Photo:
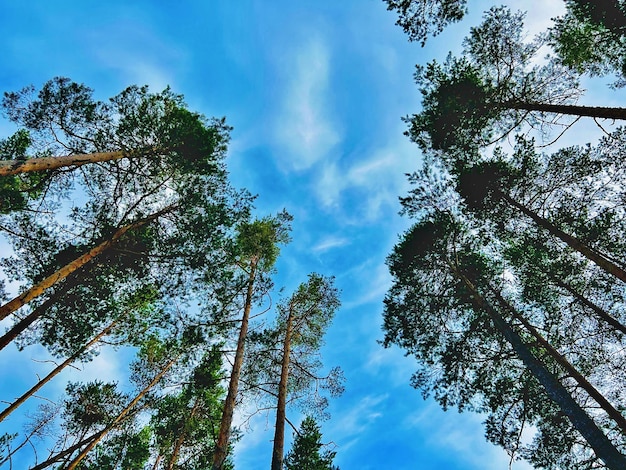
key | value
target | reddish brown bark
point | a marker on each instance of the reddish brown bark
(55, 372)
(98, 436)
(221, 446)
(25, 322)
(279, 429)
(69, 268)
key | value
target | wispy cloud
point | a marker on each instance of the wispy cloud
(138, 55)
(329, 243)
(373, 183)
(459, 434)
(303, 126)
(360, 416)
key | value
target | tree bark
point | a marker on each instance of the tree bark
(564, 363)
(600, 312)
(182, 437)
(25, 322)
(68, 269)
(571, 241)
(572, 110)
(55, 372)
(221, 446)
(14, 167)
(598, 441)
(279, 429)
(99, 435)
(64, 453)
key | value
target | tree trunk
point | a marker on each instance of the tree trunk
(14, 167)
(564, 363)
(571, 241)
(98, 436)
(182, 437)
(25, 322)
(600, 312)
(581, 421)
(64, 453)
(55, 372)
(279, 430)
(68, 269)
(572, 110)
(221, 446)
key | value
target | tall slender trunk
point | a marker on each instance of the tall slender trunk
(38, 289)
(221, 446)
(55, 372)
(182, 436)
(601, 260)
(564, 363)
(600, 312)
(572, 110)
(14, 167)
(64, 453)
(279, 429)
(25, 322)
(555, 390)
(98, 436)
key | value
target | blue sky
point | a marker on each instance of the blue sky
(315, 91)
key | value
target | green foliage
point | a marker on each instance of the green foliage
(423, 18)
(5, 445)
(124, 451)
(313, 307)
(92, 405)
(456, 105)
(494, 89)
(186, 424)
(310, 309)
(257, 241)
(305, 453)
(16, 190)
(493, 289)
(591, 37)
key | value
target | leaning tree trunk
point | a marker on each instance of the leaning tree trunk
(599, 311)
(564, 363)
(99, 435)
(55, 372)
(592, 255)
(25, 322)
(221, 446)
(14, 167)
(38, 289)
(64, 453)
(555, 390)
(571, 110)
(279, 430)
(183, 435)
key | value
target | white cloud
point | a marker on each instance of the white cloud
(377, 180)
(303, 127)
(359, 417)
(329, 243)
(461, 435)
(141, 57)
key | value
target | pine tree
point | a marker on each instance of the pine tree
(305, 453)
